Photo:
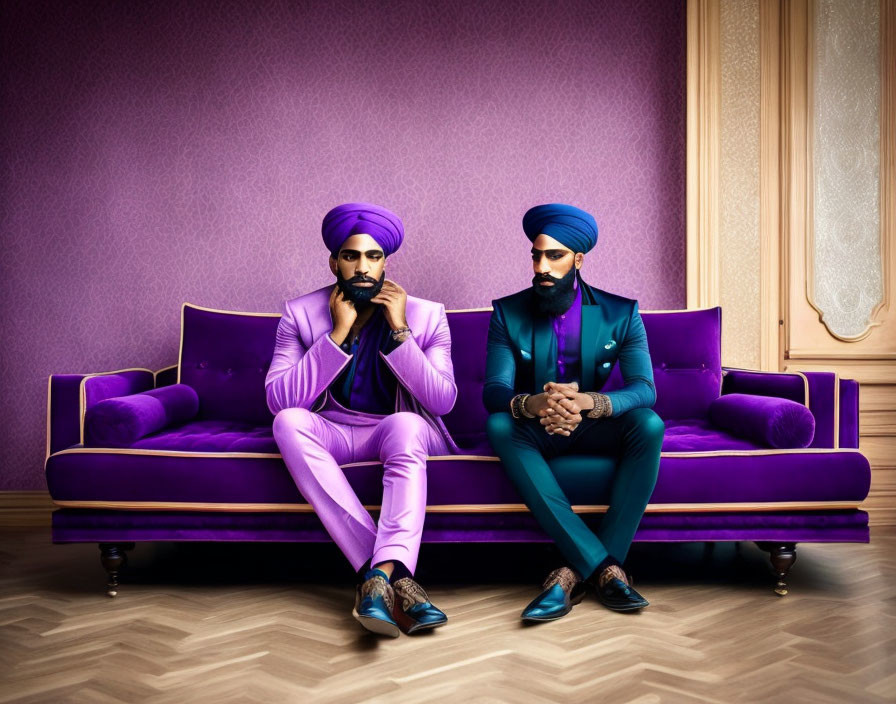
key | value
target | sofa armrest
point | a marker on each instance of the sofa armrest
(69, 396)
(834, 402)
(766, 420)
(849, 413)
(122, 421)
(793, 386)
(825, 403)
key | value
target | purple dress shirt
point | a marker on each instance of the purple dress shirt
(568, 331)
(367, 384)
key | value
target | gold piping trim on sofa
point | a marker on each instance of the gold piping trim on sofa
(458, 508)
(793, 373)
(231, 312)
(836, 409)
(242, 455)
(49, 401)
(678, 310)
(740, 453)
(180, 344)
(485, 309)
(836, 400)
(434, 458)
(164, 453)
(82, 393)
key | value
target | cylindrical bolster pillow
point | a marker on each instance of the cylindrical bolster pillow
(122, 421)
(767, 420)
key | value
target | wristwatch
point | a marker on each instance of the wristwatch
(401, 334)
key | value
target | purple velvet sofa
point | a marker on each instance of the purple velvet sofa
(187, 454)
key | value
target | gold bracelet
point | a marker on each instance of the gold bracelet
(602, 405)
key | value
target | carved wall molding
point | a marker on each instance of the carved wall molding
(703, 144)
(771, 322)
(846, 281)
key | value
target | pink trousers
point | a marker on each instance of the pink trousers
(313, 446)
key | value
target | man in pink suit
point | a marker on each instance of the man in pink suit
(362, 371)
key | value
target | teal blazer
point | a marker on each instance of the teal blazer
(522, 350)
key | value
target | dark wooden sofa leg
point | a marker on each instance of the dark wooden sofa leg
(114, 557)
(782, 557)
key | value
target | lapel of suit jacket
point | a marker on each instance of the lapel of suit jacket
(544, 352)
(594, 329)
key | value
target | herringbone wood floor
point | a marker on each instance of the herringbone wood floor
(271, 623)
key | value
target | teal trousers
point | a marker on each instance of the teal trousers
(622, 451)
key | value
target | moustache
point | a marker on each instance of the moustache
(361, 280)
(544, 277)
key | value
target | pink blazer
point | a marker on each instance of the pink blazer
(306, 360)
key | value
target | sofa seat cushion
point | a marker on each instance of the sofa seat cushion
(212, 436)
(700, 435)
(682, 435)
(177, 480)
(687, 435)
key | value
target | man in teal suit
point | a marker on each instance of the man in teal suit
(551, 349)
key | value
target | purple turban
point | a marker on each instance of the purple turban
(349, 219)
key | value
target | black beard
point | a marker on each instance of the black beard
(359, 295)
(556, 299)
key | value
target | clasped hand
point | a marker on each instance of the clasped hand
(559, 407)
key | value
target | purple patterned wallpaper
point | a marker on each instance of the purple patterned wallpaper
(160, 152)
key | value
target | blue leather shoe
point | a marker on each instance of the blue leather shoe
(563, 589)
(413, 611)
(373, 607)
(616, 595)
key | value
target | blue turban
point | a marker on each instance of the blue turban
(572, 227)
(349, 219)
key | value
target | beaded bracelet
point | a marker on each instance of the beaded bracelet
(518, 407)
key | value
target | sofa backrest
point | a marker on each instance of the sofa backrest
(469, 333)
(225, 357)
(686, 353)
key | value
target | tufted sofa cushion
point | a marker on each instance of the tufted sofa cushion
(686, 352)
(225, 357)
(466, 421)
